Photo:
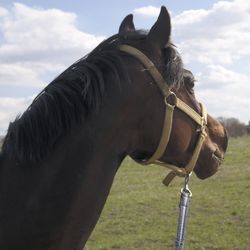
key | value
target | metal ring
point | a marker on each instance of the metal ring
(175, 99)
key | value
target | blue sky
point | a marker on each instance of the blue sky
(39, 39)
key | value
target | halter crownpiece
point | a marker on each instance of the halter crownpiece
(201, 120)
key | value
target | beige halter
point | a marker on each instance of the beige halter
(201, 120)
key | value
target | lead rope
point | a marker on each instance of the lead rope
(183, 213)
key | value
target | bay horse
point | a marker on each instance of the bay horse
(59, 158)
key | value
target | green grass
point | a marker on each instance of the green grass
(141, 213)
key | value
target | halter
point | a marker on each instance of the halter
(201, 120)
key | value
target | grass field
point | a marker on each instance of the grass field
(141, 213)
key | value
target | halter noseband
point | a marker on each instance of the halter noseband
(201, 120)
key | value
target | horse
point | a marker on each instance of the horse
(59, 157)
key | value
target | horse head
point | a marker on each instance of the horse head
(186, 129)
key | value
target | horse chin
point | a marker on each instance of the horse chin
(205, 170)
(201, 174)
(210, 159)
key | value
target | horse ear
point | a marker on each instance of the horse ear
(127, 24)
(159, 34)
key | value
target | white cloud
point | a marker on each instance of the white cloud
(37, 29)
(217, 76)
(3, 12)
(219, 35)
(149, 11)
(219, 104)
(18, 75)
(36, 43)
(33, 37)
(225, 93)
(216, 41)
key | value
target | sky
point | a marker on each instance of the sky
(39, 39)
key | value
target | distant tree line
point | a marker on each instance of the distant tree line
(234, 127)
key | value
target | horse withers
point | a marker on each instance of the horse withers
(59, 158)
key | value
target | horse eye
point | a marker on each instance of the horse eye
(189, 83)
(190, 86)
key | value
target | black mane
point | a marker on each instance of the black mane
(71, 97)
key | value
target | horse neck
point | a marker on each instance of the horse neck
(57, 202)
(101, 160)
